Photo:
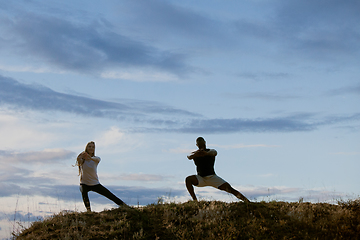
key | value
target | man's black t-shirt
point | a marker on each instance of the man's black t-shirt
(205, 165)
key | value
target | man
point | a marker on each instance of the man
(204, 160)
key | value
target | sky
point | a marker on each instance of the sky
(273, 86)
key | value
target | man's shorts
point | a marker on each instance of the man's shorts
(211, 180)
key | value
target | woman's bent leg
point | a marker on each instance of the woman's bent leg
(84, 189)
(100, 189)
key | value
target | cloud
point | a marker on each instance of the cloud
(9, 189)
(335, 119)
(12, 189)
(267, 175)
(320, 28)
(15, 181)
(22, 172)
(179, 151)
(10, 176)
(139, 75)
(142, 177)
(144, 195)
(286, 193)
(237, 146)
(40, 98)
(20, 132)
(169, 20)
(22, 217)
(135, 194)
(257, 76)
(68, 192)
(137, 177)
(143, 41)
(345, 91)
(47, 156)
(166, 118)
(262, 96)
(111, 137)
(90, 46)
(280, 124)
(258, 191)
(303, 122)
(317, 30)
(346, 153)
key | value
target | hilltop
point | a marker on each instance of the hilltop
(206, 220)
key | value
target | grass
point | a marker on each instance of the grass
(206, 220)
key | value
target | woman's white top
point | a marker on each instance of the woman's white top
(88, 172)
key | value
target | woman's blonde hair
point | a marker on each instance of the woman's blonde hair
(81, 162)
(91, 142)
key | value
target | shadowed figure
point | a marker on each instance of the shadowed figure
(89, 181)
(204, 160)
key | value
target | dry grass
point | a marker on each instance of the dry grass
(206, 220)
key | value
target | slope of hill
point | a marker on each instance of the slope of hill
(206, 220)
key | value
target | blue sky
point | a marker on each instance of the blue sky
(273, 86)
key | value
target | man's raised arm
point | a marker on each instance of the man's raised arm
(202, 153)
(212, 152)
(192, 155)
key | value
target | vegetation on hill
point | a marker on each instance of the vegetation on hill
(206, 220)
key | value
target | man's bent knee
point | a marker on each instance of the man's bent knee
(192, 180)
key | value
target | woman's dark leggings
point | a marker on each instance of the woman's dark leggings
(100, 189)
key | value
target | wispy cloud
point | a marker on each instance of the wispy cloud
(19, 181)
(262, 96)
(258, 191)
(236, 146)
(84, 47)
(179, 151)
(345, 91)
(321, 35)
(311, 29)
(47, 156)
(270, 193)
(165, 118)
(280, 124)
(176, 23)
(330, 120)
(21, 174)
(131, 195)
(267, 175)
(302, 122)
(233, 146)
(96, 46)
(346, 153)
(282, 26)
(38, 97)
(142, 177)
(260, 76)
(291, 193)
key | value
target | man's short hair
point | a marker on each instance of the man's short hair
(200, 140)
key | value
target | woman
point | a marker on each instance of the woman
(89, 181)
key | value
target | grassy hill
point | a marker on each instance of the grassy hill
(206, 220)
